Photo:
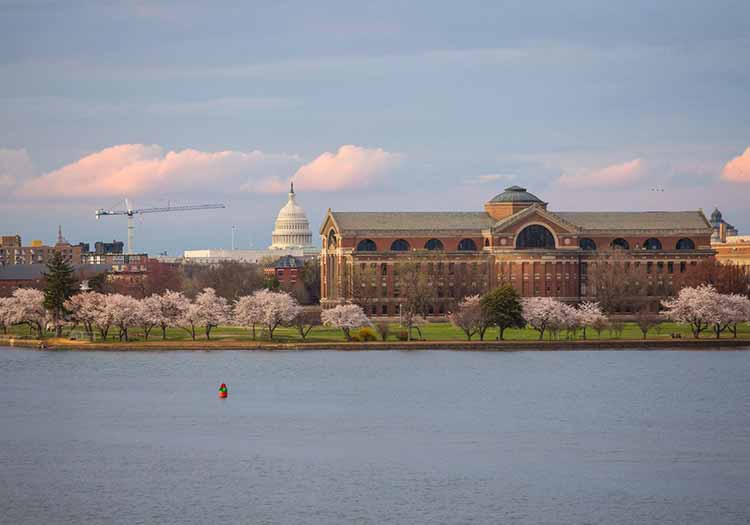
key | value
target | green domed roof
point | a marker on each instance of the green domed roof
(516, 194)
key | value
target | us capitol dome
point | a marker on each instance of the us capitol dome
(292, 229)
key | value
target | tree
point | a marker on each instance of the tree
(230, 279)
(468, 316)
(161, 277)
(384, 329)
(7, 313)
(60, 285)
(83, 308)
(212, 310)
(646, 321)
(542, 313)
(730, 309)
(150, 314)
(502, 307)
(125, 312)
(346, 317)
(248, 311)
(29, 309)
(305, 320)
(694, 306)
(172, 308)
(590, 314)
(311, 280)
(268, 308)
(726, 278)
(417, 293)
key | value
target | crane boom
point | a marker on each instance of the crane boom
(131, 212)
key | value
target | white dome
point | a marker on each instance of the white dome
(292, 230)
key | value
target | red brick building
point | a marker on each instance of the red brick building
(515, 240)
(287, 270)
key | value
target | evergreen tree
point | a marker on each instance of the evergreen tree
(59, 286)
(502, 307)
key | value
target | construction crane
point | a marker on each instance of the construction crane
(131, 212)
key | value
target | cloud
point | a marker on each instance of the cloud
(738, 169)
(131, 170)
(137, 169)
(350, 167)
(491, 178)
(614, 176)
(15, 167)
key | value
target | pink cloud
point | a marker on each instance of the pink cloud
(614, 176)
(350, 167)
(137, 169)
(738, 169)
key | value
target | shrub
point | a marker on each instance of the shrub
(384, 329)
(355, 338)
(367, 334)
(403, 335)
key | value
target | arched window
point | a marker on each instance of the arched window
(331, 240)
(367, 245)
(433, 244)
(467, 245)
(487, 243)
(535, 236)
(620, 244)
(587, 244)
(652, 244)
(400, 245)
(685, 244)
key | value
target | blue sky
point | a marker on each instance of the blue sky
(430, 105)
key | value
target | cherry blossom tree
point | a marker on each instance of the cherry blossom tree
(694, 306)
(345, 317)
(83, 309)
(730, 310)
(104, 314)
(212, 310)
(150, 314)
(546, 313)
(126, 312)
(29, 309)
(468, 316)
(7, 313)
(172, 307)
(590, 315)
(248, 311)
(190, 319)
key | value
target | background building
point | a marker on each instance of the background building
(13, 252)
(291, 236)
(516, 240)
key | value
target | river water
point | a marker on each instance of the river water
(375, 437)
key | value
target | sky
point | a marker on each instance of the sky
(381, 105)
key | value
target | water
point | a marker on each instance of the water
(375, 437)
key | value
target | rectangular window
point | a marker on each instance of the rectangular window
(670, 267)
(383, 269)
(451, 268)
(660, 267)
(683, 267)
(384, 310)
(430, 268)
(649, 267)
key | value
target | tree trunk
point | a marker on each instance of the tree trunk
(208, 332)
(163, 332)
(501, 335)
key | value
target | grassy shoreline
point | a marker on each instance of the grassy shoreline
(497, 346)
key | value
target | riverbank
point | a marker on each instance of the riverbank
(493, 345)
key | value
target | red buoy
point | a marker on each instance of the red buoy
(223, 392)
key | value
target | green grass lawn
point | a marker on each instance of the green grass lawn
(438, 331)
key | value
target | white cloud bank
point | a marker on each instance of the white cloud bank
(738, 169)
(613, 176)
(138, 169)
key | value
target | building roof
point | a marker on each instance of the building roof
(375, 222)
(288, 261)
(32, 272)
(636, 220)
(515, 194)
